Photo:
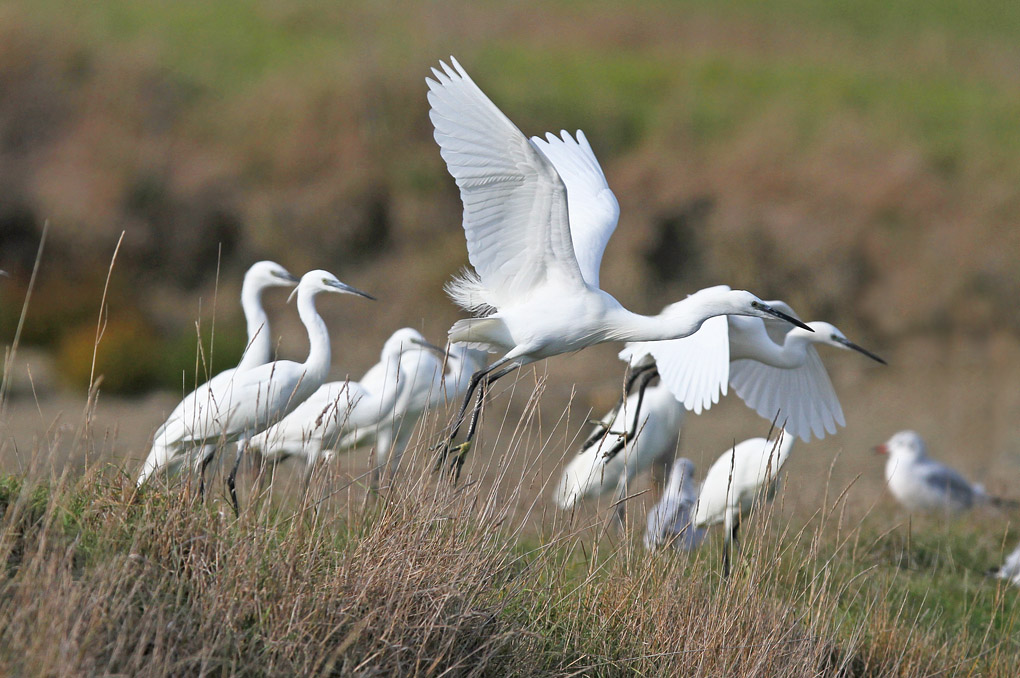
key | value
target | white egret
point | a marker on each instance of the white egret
(738, 479)
(598, 469)
(344, 415)
(772, 366)
(175, 440)
(671, 521)
(537, 217)
(1010, 569)
(920, 483)
(255, 398)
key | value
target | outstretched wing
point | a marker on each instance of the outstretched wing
(591, 204)
(803, 396)
(515, 204)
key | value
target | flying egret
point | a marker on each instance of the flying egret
(920, 483)
(176, 439)
(596, 469)
(255, 398)
(736, 481)
(344, 415)
(671, 520)
(537, 217)
(773, 367)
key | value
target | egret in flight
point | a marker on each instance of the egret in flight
(921, 483)
(256, 398)
(537, 216)
(671, 521)
(772, 366)
(171, 448)
(741, 476)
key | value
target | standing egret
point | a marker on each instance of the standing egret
(920, 483)
(176, 438)
(344, 415)
(773, 367)
(537, 217)
(597, 469)
(1010, 569)
(736, 481)
(671, 521)
(254, 399)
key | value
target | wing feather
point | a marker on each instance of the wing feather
(802, 396)
(515, 204)
(695, 368)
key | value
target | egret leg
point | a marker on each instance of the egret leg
(461, 450)
(241, 446)
(647, 377)
(731, 541)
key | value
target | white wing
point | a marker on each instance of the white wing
(591, 204)
(695, 368)
(803, 396)
(515, 204)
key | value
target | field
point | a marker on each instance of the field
(859, 160)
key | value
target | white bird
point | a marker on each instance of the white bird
(598, 469)
(920, 483)
(345, 415)
(772, 366)
(671, 521)
(256, 398)
(176, 438)
(537, 217)
(738, 479)
(1010, 569)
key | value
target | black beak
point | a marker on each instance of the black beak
(851, 345)
(289, 277)
(347, 289)
(782, 316)
(432, 347)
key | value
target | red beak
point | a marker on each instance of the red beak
(881, 449)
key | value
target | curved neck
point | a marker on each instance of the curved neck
(319, 357)
(754, 343)
(260, 347)
(672, 323)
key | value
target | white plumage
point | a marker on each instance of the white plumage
(671, 520)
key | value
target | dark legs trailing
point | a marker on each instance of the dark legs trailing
(480, 382)
(642, 377)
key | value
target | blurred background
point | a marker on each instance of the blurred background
(860, 160)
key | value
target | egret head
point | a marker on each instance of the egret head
(905, 445)
(324, 281)
(404, 339)
(824, 333)
(264, 274)
(745, 303)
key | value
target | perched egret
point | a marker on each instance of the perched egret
(736, 481)
(597, 470)
(344, 415)
(537, 217)
(772, 366)
(181, 435)
(255, 398)
(920, 483)
(671, 520)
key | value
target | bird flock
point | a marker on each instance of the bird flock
(538, 214)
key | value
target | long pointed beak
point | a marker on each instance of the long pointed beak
(783, 316)
(860, 349)
(347, 289)
(880, 449)
(432, 347)
(288, 276)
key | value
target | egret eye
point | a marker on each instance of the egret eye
(836, 337)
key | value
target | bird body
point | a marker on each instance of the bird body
(590, 474)
(739, 478)
(920, 483)
(773, 367)
(671, 520)
(1010, 569)
(177, 435)
(254, 399)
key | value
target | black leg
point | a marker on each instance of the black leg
(458, 461)
(233, 475)
(646, 378)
